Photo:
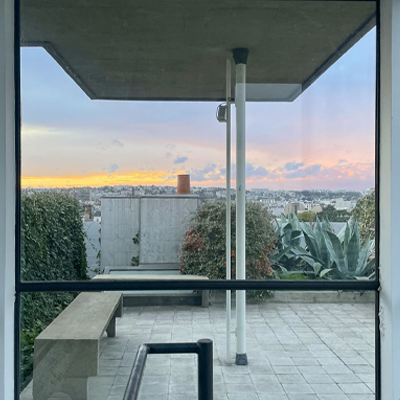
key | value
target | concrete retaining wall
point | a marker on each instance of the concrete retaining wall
(163, 223)
(120, 223)
(160, 221)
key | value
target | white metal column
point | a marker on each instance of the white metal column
(228, 207)
(389, 173)
(7, 199)
(240, 57)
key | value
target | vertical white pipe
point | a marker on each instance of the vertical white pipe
(228, 207)
(240, 103)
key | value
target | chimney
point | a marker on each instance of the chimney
(183, 184)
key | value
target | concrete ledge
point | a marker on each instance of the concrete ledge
(160, 299)
(67, 352)
(184, 299)
(126, 277)
(322, 297)
(306, 297)
(142, 267)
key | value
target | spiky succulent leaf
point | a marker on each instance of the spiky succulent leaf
(325, 271)
(352, 252)
(312, 245)
(336, 252)
(362, 264)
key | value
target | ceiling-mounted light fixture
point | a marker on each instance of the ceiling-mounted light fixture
(222, 113)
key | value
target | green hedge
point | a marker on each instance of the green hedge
(52, 248)
(204, 252)
(364, 212)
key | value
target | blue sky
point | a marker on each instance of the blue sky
(324, 139)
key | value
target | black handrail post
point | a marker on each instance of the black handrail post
(135, 378)
(205, 369)
(204, 350)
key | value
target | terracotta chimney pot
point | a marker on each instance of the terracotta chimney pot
(183, 184)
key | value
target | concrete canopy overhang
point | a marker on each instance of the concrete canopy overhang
(176, 50)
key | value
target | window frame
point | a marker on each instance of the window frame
(212, 284)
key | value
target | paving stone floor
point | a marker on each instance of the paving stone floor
(295, 352)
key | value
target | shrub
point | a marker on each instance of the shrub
(306, 216)
(52, 248)
(364, 212)
(330, 213)
(204, 252)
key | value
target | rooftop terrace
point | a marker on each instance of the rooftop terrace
(295, 351)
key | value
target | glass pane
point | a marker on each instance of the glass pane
(124, 163)
(318, 345)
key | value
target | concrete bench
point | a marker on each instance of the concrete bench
(147, 298)
(67, 351)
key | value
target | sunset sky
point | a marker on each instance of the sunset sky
(323, 140)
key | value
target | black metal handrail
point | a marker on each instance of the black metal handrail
(197, 284)
(203, 348)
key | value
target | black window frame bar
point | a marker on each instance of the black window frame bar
(93, 286)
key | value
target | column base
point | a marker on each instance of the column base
(241, 359)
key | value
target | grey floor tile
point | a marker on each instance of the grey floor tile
(318, 378)
(297, 388)
(313, 351)
(326, 388)
(345, 378)
(297, 396)
(233, 388)
(295, 378)
(189, 390)
(240, 379)
(247, 396)
(272, 396)
(355, 388)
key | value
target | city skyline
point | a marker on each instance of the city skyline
(325, 139)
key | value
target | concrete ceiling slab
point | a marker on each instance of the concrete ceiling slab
(176, 49)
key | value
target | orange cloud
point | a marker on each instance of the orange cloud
(128, 178)
(350, 175)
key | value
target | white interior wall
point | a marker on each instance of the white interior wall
(7, 199)
(390, 199)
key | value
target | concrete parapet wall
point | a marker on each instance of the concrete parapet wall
(119, 225)
(163, 224)
(307, 297)
(160, 221)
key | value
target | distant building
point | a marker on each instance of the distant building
(87, 212)
(84, 195)
(276, 210)
(341, 204)
(294, 208)
(97, 216)
(316, 209)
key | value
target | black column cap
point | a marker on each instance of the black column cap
(240, 55)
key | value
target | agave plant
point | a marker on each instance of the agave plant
(318, 256)
(288, 237)
(289, 231)
(351, 259)
(340, 255)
